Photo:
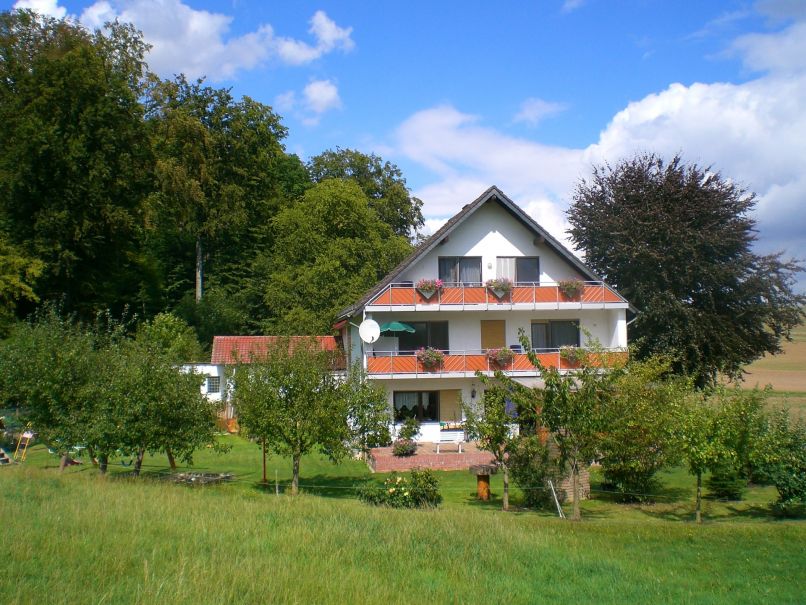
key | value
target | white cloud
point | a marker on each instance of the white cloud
(321, 96)
(753, 133)
(197, 42)
(43, 7)
(572, 5)
(533, 111)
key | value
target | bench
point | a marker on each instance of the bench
(451, 438)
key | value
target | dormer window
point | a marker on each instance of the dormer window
(519, 269)
(460, 270)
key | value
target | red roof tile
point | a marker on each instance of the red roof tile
(230, 349)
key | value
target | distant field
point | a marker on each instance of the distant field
(785, 372)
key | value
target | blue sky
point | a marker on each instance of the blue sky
(524, 95)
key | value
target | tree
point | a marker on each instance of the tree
(493, 424)
(780, 458)
(75, 162)
(216, 165)
(18, 274)
(638, 426)
(169, 335)
(381, 182)
(328, 250)
(291, 400)
(676, 240)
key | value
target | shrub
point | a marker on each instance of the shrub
(404, 447)
(419, 490)
(726, 482)
(532, 467)
(780, 458)
(409, 429)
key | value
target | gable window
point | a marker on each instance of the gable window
(551, 335)
(460, 269)
(422, 405)
(519, 269)
(213, 384)
(426, 334)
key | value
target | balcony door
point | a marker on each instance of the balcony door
(426, 334)
(493, 333)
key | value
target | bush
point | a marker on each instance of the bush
(409, 430)
(404, 447)
(726, 482)
(780, 458)
(419, 490)
(532, 467)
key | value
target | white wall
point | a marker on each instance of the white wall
(491, 232)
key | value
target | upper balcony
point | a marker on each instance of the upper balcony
(458, 297)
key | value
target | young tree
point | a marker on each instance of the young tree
(676, 241)
(291, 399)
(638, 425)
(381, 182)
(169, 335)
(780, 458)
(493, 424)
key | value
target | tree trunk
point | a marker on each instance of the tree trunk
(199, 269)
(103, 462)
(171, 460)
(263, 444)
(506, 487)
(295, 475)
(63, 462)
(577, 514)
(91, 454)
(698, 509)
(138, 463)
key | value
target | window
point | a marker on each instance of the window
(422, 405)
(520, 269)
(555, 334)
(460, 269)
(426, 334)
(213, 384)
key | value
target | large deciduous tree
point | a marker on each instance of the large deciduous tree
(382, 183)
(74, 160)
(329, 248)
(676, 240)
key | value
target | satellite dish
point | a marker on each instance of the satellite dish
(369, 331)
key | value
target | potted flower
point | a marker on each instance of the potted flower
(428, 287)
(573, 355)
(500, 286)
(572, 289)
(501, 357)
(430, 358)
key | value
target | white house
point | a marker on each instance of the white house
(490, 238)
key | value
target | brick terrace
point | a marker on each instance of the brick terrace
(382, 460)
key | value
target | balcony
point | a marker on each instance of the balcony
(459, 364)
(405, 297)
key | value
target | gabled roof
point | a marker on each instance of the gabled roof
(495, 195)
(229, 350)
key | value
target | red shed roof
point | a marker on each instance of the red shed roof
(230, 349)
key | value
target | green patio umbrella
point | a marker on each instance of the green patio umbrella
(397, 326)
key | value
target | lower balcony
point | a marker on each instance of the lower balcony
(457, 364)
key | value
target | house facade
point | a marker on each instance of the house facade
(543, 291)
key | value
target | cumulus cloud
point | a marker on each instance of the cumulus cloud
(753, 133)
(198, 42)
(43, 7)
(533, 111)
(317, 98)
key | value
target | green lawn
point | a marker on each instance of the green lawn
(79, 538)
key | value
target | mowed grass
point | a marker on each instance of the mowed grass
(79, 538)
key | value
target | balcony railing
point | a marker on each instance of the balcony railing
(469, 362)
(475, 295)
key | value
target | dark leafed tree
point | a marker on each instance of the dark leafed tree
(382, 183)
(74, 159)
(676, 240)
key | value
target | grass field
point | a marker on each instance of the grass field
(80, 538)
(786, 372)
